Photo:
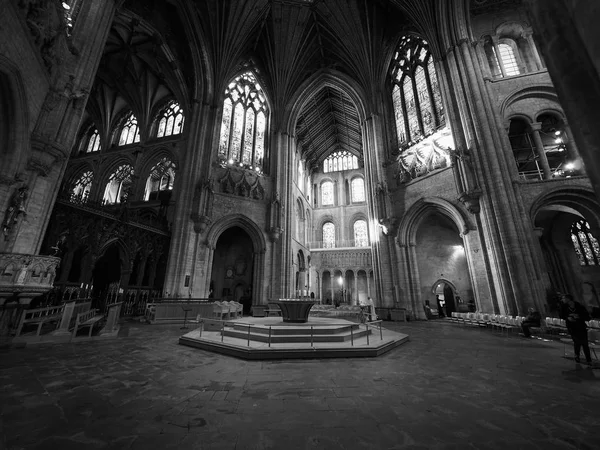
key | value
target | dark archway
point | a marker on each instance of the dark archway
(233, 267)
(107, 271)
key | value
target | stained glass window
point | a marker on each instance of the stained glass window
(130, 132)
(244, 123)
(416, 95)
(81, 187)
(341, 160)
(509, 62)
(328, 235)
(171, 121)
(94, 142)
(327, 193)
(119, 185)
(358, 190)
(586, 246)
(361, 236)
(161, 178)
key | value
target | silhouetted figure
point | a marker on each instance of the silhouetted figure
(575, 315)
(533, 319)
(439, 306)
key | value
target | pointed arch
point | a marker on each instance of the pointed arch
(580, 198)
(407, 231)
(237, 220)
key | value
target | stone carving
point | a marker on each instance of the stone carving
(432, 153)
(26, 273)
(243, 187)
(346, 258)
(15, 209)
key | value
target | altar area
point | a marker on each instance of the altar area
(272, 338)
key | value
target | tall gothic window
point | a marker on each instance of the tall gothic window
(361, 235)
(301, 176)
(161, 178)
(130, 131)
(586, 246)
(328, 235)
(508, 59)
(327, 193)
(244, 123)
(81, 187)
(93, 144)
(338, 161)
(171, 121)
(358, 190)
(416, 96)
(119, 185)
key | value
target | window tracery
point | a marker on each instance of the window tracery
(361, 235)
(340, 160)
(328, 235)
(586, 246)
(119, 184)
(130, 132)
(508, 60)
(81, 187)
(171, 121)
(161, 178)
(244, 123)
(93, 142)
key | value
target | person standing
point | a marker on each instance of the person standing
(575, 315)
(439, 306)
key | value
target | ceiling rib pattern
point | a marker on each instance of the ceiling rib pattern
(328, 122)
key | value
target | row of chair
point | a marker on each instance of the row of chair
(227, 310)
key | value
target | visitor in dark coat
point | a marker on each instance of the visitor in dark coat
(533, 319)
(575, 315)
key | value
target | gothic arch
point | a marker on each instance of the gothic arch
(321, 79)
(153, 157)
(580, 198)
(237, 220)
(14, 130)
(413, 218)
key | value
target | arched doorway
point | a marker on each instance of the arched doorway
(448, 297)
(233, 267)
(107, 271)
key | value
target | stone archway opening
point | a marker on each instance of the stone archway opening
(107, 271)
(233, 267)
(442, 263)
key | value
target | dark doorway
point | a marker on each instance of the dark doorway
(106, 271)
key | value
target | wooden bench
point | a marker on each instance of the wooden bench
(86, 319)
(40, 316)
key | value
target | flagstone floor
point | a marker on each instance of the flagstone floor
(449, 388)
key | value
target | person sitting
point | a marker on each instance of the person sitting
(533, 319)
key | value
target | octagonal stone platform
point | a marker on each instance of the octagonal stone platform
(270, 338)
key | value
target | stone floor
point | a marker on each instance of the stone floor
(450, 387)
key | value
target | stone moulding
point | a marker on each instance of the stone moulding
(24, 274)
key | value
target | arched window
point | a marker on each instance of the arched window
(81, 187)
(130, 132)
(244, 123)
(93, 142)
(328, 235)
(339, 161)
(301, 175)
(586, 246)
(508, 60)
(361, 235)
(171, 121)
(327, 193)
(358, 190)
(161, 178)
(118, 186)
(416, 95)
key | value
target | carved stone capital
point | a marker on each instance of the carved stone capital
(471, 201)
(275, 233)
(44, 155)
(201, 223)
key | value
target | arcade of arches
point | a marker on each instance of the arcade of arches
(208, 149)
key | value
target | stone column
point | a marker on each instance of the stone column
(528, 36)
(540, 150)
(572, 149)
(573, 74)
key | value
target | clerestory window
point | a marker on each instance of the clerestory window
(81, 187)
(338, 161)
(119, 184)
(328, 235)
(130, 132)
(171, 121)
(161, 178)
(93, 144)
(244, 124)
(327, 193)
(358, 190)
(361, 235)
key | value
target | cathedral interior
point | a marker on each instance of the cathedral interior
(434, 157)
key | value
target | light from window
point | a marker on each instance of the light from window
(301, 176)
(171, 121)
(416, 96)
(119, 186)
(244, 123)
(358, 190)
(338, 161)
(327, 193)
(94, 142)
(328, 235)
(361, 236)
(161, 178)
(507, 56)
(81, 187)
(586, 246)
(130, 132)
